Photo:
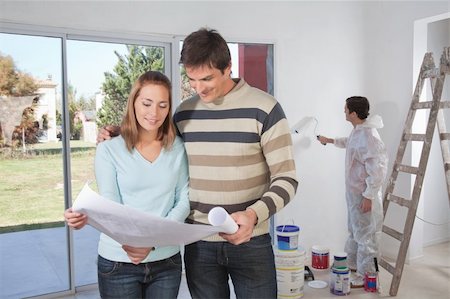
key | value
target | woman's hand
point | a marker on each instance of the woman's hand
(75, 220)
(137, 254)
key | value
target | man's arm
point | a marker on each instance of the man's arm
(276, 143)
(276, 146)
(374, 157)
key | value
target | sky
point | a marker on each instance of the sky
(86, 61)
(41, 57)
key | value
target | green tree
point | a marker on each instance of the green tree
(76, 104)
(117, 85)
(86, 104)
(13, 82)
(58, 118)
(28, 129)
(186, 90)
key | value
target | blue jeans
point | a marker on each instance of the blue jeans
(160, 279)
(251, 267)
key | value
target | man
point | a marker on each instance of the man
(240, 156)
(365, 171)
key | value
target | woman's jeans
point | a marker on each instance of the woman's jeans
(160, 279)
(251, 267)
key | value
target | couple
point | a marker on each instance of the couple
(239, 148)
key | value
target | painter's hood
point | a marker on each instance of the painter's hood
(374, 121)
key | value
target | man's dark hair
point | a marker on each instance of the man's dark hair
(205, 47)
(360, 105)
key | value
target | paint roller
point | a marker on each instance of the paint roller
(304, 123)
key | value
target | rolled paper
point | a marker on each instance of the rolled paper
(218, 216)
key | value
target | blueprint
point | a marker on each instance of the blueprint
(129, 226)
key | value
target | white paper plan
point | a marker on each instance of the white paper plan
(129, 226)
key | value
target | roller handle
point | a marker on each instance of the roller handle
(318, 139)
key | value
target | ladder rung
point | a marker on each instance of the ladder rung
(422, 105)
(407, 169)
(427, 105)
(444, 136)
(414, 137)
(444, 104)
(399, 200)
(393, 233)
(387, 266)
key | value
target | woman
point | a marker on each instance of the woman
(146, 168)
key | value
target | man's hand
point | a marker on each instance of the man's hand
(246, 221)
(107, 132)
(75, 220)
(324, 140)
(366, 205)
(137, 254)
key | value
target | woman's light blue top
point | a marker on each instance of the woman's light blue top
(159, 187)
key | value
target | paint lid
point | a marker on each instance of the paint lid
(340, 256)
(320, 249)
(317, 284)
(288, 228)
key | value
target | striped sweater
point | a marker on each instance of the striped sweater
(240, 155)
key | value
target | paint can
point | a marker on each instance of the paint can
(340, 281)
(287, 237)
(320, 257)
(370, 281)
(340, 260)
(290, 269)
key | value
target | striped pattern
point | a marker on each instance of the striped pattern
(240, 155)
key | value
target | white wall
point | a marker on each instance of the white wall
(324, 52)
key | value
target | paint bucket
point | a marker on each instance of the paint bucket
(370, 281)
(320, 257)
(290, 268)
(340, 281)
(287, 237)
(340, 260)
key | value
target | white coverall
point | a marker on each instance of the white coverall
(365, 171)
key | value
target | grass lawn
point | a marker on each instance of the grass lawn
(32, 188)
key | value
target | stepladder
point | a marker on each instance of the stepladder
(434, 110)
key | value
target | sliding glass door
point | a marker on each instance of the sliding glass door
(48, 127)
(33, 241)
